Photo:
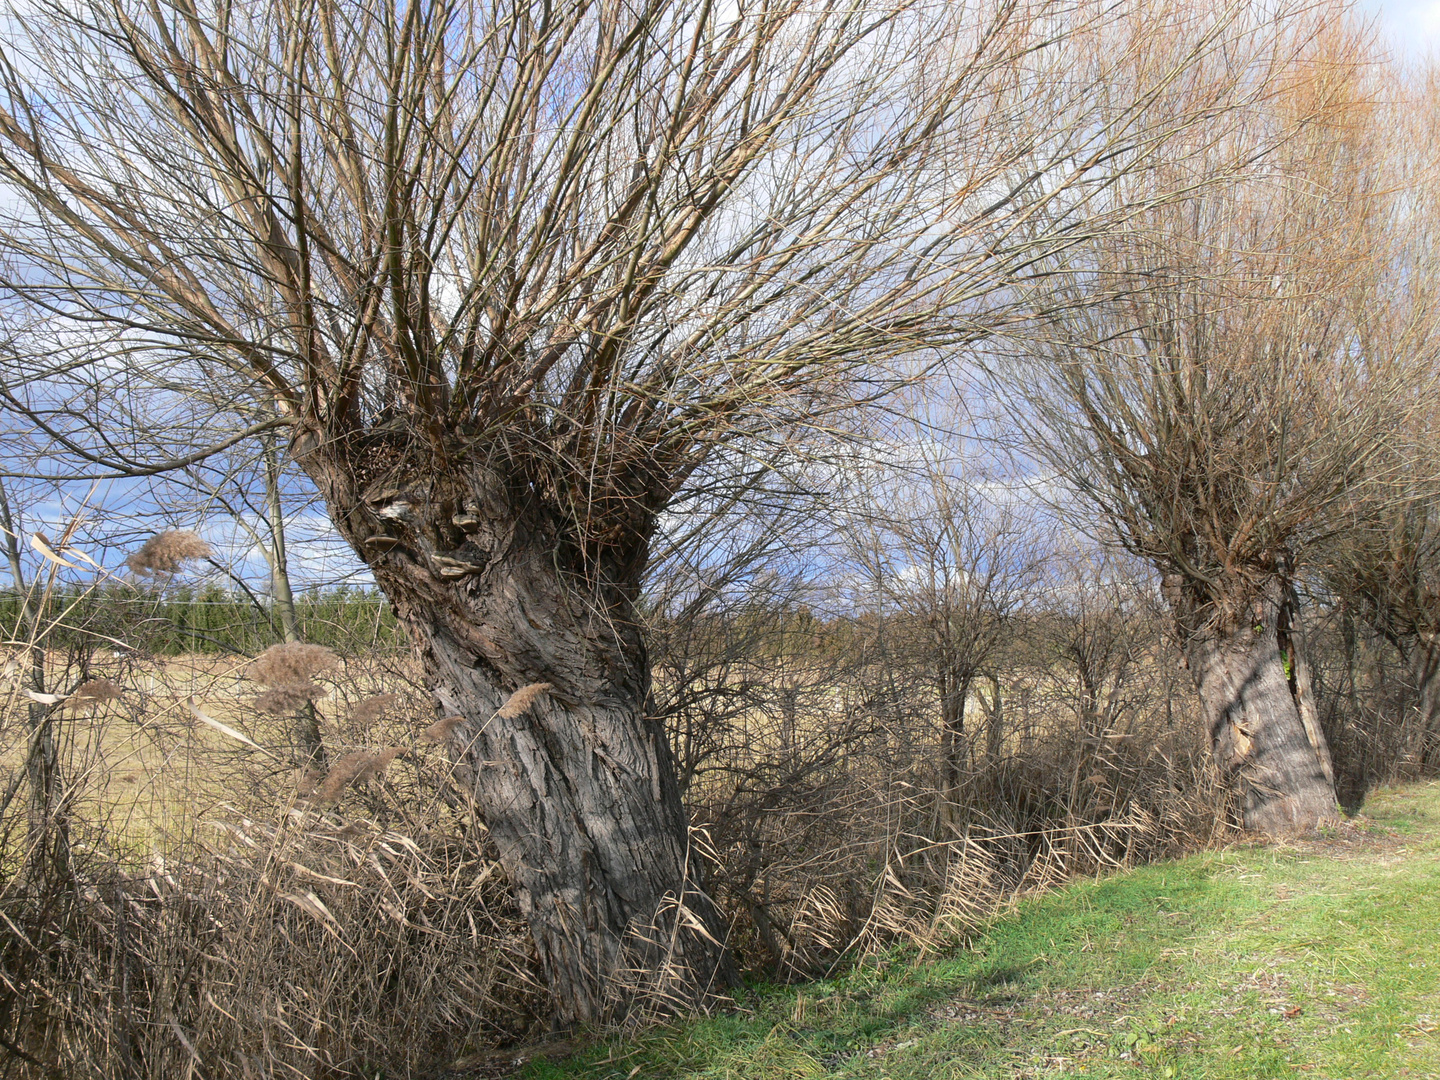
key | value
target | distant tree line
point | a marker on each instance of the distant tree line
(205, 619)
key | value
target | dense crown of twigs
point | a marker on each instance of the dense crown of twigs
(1233, 387)
(583, 245)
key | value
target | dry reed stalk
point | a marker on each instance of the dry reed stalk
(167, 552)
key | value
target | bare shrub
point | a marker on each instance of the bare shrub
(272, 945)
(834, 828)
(167, 552)
(372, 931)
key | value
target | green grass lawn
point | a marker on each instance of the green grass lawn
(1319, 959)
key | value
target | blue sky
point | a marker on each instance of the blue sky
(1410, 27)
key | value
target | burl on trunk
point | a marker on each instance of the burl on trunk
(1255, 695)
(578, 790)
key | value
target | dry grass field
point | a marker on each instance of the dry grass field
(189, 899)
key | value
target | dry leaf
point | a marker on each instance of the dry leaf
(226, 729)
(311, 904)
(37, 541)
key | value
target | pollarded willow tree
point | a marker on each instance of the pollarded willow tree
(1225, 398)
(510, 272)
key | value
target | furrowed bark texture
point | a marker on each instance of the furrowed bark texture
(1424, 664)
(578, 790)
(1252, 701)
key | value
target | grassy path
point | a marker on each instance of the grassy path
(1320, 959)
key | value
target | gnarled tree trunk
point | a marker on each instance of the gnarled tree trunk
(1252, 703)
(578, 790)
(1423, 661)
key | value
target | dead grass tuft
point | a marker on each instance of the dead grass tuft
(167, 552)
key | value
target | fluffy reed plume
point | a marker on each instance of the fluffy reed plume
(439, 731)
(286, 699)
(167, 552)
(373, 708)
(374, 769)
(94, 692)
(513, 706)
(521, 700)
(307, 780)
(341, 773)
(293, 664)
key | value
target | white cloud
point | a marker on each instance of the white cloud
(1410, 27)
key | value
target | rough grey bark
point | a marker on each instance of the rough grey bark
(1252, 711)
(1291, 637)
(578, 791)
(954, 747)
(1423, 660)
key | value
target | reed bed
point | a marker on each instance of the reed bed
(187, 892)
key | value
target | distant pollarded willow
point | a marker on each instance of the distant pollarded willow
(1243, 383)
(510, 273)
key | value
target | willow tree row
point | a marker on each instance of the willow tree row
(511, 274)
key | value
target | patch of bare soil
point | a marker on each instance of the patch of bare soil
(1353, 838)
(504, 1062)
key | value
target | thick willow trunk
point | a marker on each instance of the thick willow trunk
(954, 746)
(578, 789)
(1253, 705)
(1424, 663)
